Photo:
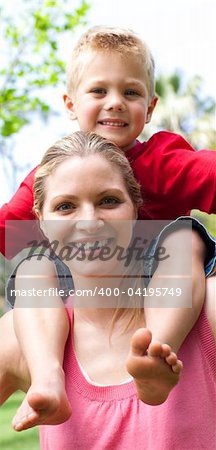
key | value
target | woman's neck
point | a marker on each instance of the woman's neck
(97, 317)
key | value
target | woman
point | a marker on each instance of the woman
(97, 192)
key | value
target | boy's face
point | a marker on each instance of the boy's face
(112, 98)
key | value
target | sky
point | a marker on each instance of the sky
(181, 35)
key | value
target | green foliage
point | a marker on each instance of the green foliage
(184, 108)
(209, 221)
(9, 439)
(31, 59)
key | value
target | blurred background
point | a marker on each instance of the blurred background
(36, 38)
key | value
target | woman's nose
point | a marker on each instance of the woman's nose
(89, 220)
(89, 226)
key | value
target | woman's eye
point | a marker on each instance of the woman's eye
(110, 201)
(64, 207)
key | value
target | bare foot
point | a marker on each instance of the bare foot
(154, 367)
(44, 404)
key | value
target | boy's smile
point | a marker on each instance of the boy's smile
(112, 98)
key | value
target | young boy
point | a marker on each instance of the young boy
(111, 92)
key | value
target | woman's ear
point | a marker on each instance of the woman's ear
(42, 223)
(69, 105)
(135, 217)
(135, 214)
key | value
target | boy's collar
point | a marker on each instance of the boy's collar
(133, 152)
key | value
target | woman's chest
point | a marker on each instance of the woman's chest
(101, 355)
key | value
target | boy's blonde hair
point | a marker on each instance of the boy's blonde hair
(109, 39)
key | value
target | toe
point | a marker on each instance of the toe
(177, 368)
(140, 342)
(155, 349)
(171, 359)
(166, 350)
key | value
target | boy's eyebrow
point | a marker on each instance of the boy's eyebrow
(135, 82)
(127, 81)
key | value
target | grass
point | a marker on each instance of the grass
(10, 439)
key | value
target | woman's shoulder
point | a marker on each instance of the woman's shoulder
(210, 303)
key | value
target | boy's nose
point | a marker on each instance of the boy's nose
(115, 103)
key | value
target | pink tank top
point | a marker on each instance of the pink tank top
(112, 418)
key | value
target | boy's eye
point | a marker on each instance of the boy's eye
(99, 91)
(131, 92)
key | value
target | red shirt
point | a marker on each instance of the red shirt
(174, 179)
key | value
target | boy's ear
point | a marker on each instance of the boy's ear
(69, 107)
(151, 108)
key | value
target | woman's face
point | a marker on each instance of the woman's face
(88, 210)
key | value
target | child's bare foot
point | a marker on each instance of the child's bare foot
(43, 404)
(154, 367)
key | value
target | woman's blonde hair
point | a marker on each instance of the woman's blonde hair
(83, 145)
(123, 41)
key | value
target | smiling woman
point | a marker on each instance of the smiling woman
(87, 199)
(92, 218)
(89, 217)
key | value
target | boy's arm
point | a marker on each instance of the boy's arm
(15, 230)
(175, 178)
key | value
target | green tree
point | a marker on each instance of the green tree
(31, 62)
(184, 108)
